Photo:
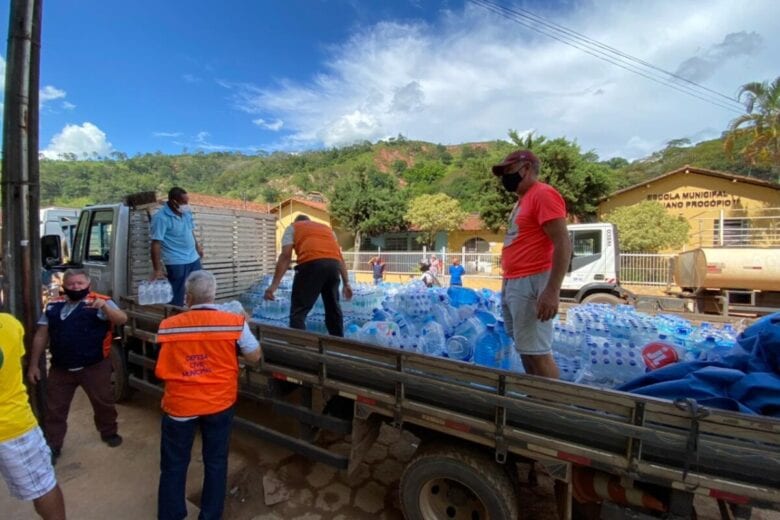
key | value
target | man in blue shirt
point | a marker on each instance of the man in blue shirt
(174, 243)
(456, 273)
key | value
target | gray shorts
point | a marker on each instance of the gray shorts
(518, 304)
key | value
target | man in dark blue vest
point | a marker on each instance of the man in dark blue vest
(78, 329)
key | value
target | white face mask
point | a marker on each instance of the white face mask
(185, 208)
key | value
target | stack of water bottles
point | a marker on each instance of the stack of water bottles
(276, 311)
(158, 291)
(609, 346)
(599, 345)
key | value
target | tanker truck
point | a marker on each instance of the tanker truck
(730, 279)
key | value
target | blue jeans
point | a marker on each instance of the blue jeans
(175, 448)
(177, 275)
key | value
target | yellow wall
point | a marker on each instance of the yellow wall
(289, 211)
(456, 240)
(699, 199)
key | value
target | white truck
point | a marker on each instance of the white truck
(594, 272)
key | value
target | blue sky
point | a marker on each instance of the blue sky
(146, 76)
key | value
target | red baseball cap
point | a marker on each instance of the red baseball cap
(514, 158)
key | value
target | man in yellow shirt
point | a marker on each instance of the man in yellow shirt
(25, 458)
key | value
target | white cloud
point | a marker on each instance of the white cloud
(275, 125)
(190, 78)
(50, 93)
(201, 141)
(83, 141)
(474, 75)
(166, 134)
(67, 105)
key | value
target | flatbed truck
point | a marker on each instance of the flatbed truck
(628, 456)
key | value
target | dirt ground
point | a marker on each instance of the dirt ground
(121, 483)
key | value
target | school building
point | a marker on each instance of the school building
(722, 209)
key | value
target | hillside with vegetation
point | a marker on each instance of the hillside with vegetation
(370, 186)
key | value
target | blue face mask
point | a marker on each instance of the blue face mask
(185, 208)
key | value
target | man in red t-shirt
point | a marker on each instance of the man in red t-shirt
(535, 258)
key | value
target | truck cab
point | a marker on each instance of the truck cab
(100, 247)
(594, 271)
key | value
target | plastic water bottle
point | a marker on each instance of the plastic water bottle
(143, 293)
(471, 329)
(459, 348)
(462, 296)
(432, 338)
(167, 292)
(703, 348)
(383, 333)
(625, 369)
(156, 292)
(488, 351)
(352, 330)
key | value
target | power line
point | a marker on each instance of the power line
(611, 55)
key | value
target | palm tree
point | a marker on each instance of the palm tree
(760, 127)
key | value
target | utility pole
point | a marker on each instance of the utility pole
(21, 178)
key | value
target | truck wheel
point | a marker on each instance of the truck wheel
(453, 481)
(119, 376)
(607, 298)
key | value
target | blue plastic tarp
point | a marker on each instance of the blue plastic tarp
(747, 381)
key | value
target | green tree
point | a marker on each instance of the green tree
(434, 213)
(761, 123)
(423, 177)
(647, 227)
(579, 178)
(367, 202)
(577, 175)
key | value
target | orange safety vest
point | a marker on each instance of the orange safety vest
(199, 362)
(314, 241)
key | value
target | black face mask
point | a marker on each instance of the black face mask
(76, 296)
(511, 182)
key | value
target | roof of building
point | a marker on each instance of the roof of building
(312, 204)
(701, 171)
(213, 201)
(472, 223)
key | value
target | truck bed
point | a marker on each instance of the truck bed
(710, 452)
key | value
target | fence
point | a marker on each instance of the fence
(635, 268)
(408, 262)
(645, 269)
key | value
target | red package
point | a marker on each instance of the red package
(658, 354)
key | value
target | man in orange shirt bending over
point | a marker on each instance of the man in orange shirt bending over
(320, 265)
(199, 365)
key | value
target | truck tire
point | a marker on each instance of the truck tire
(456, 481)
(607, 298)
(119, 376)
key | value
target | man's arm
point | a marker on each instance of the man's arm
(282, 264)
(40, 340)
(347, 289)
(198, 247)
(156, 262)
(116, 315)
(252, 357)
(547, 305)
